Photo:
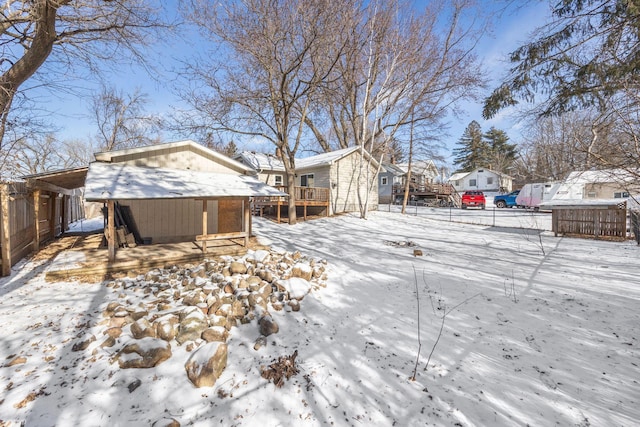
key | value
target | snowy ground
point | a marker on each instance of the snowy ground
(538, 330)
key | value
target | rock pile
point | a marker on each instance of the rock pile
(198, 305)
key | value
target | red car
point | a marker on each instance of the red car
(473, 198)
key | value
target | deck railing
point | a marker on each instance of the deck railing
(309, 194)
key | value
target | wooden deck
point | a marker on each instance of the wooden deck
(314, 197)
(84, 258)
(431, 194)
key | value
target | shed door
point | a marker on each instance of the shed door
(229, 215)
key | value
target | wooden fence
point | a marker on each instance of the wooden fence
(29, 217)
(608, 222)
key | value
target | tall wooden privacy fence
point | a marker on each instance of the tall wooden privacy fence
(29, 217)
(601, 222)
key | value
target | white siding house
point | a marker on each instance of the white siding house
(346, 173)
(481, 179)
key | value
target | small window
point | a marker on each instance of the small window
(489, 180)
(591, 195)
(384, 180)
(278, 179)
(620, 195)
(472, 183)
(306, 180)
(456, 182)
(480, 170)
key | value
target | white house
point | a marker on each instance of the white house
(599, 184)
(482, 179)
(345, 176)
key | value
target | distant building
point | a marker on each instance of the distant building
(482, 179)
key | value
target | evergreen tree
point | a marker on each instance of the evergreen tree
(472, 150)
(500, 155)
(587, 54)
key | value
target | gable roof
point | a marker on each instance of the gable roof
(113, 181)
(114, 156)
(621, 176)
(268, 162)
(460, 175)
(393, 169)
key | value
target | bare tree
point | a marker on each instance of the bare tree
(64, 33)
(400, 70)
(121, 120)
(274, 55)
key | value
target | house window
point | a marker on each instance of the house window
(456, 182)
(591, 195)
(384, 181)
(278, 179)
(472, 183)
(489, 180)
(620, 195)
(306, 180)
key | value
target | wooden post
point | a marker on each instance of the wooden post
(204, 224)
(111, 230)
(5, 232)
(247, 222)
(36, 220)
(278, 206)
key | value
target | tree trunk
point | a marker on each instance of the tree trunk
(33, 58)
(291, 189)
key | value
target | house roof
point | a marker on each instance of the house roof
(394, 169)
(419, 167)
(261, 161)
(602, 176)
(460, 175)
(268, 162)
(112, 156)
(112, 181)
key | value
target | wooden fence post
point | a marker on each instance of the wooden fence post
(36, 220)
(5, 232)
(111, 230)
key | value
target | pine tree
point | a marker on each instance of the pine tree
(500, 155)
(472, 150)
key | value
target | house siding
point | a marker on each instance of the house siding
(183, 157)
(172, 220)
(345, 173)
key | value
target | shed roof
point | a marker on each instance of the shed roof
(68, 179)
(113, 181)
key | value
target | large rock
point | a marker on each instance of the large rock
(191, 326)
(206, 364)
(144, 353)
(302, 270)
(167, 327)
(142, 328)
(215, 333)
(296, 287)
(237, 268)
(268, 326)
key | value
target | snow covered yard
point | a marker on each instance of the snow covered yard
(538, 330)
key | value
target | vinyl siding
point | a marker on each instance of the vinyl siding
(176, 158)
(172, 220)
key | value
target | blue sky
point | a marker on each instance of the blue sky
(510, 29)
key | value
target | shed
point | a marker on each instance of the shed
(599, 219)
(176, 192)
